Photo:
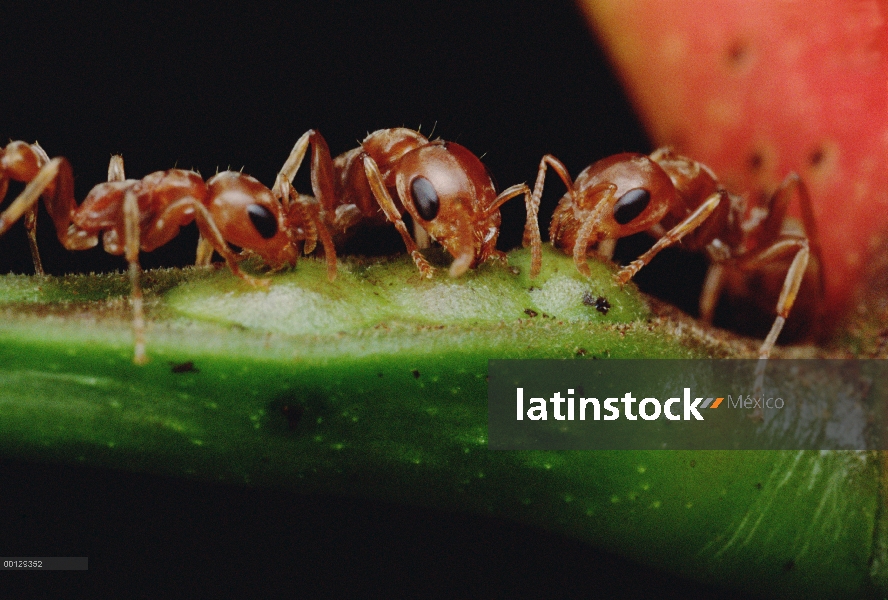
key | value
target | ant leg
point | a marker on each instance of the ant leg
(712, 287)
(329, 247)
(27, 200)
(309, 229)
(606, 248)
(204, 254)
(283, 183)
(322, 178)
(24, 162)
(794, 276)
(791, 284)
(691, 222)
(311, 210)
(322, 173)
(532, 236)
(547, 161)
(391, 212)
(131, 231)
(209, 231)
(31, 216)
(770, 228)
(532, 226)
(588, 230)
(39, 151)
(31, 229)
(55, 183)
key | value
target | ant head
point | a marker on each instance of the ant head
(448, 191)
(624, 194)
(249, 216)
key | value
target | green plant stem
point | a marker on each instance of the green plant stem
(374, 386)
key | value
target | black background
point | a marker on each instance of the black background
(206, 88)
(210, 86)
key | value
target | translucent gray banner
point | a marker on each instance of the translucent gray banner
(687, 405)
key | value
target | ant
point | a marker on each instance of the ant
(133, 215)
(20, 161)
(445, 189)
(680, 199)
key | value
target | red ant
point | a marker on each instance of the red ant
(680, 199)
(443, 186)
(135, 215)
(20, 161)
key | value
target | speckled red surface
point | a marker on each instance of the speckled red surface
(758, 89)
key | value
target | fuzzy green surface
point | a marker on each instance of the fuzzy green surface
(383, 378)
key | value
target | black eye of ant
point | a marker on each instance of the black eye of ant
(263, 220)
(630, 205)
(425, 198)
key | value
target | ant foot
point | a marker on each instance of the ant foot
(425, 269)
(260, 282)
(628, 272)
(139, 357)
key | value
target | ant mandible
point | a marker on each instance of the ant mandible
(681, 199)
(134, 215)
(445, 188)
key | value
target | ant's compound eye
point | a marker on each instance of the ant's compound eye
(263, 220)
(425, 198)
(630, 205)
